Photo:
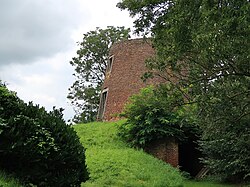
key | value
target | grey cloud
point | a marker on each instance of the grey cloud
(30, 29)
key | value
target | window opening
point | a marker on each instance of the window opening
(102, 104)
(110, 63)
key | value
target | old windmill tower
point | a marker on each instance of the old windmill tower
(126, 65)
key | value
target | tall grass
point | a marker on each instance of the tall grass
(112, 163)
(207, 184)
(7, 181)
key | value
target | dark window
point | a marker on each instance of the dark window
(102, 104)
(110, 63)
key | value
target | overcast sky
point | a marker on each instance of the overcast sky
(38, 39)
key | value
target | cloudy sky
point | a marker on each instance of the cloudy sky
(38, 39)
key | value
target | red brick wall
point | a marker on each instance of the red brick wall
(165, 149)
(125, 77)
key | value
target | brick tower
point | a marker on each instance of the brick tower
(126, 65)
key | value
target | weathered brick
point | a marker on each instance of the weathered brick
(165, 149)
(124, 79)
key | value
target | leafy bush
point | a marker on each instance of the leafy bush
(156, 113)
(38, 146)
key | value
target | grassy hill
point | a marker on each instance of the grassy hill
(112, 163)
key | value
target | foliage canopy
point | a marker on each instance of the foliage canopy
(206, 44)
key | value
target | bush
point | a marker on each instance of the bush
(157, 113)
(38, 146)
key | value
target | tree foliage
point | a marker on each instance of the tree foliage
(90, 65)
(157, 113)
(206, 44)
(38, 146)
(225, 120)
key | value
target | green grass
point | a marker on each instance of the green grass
(209, 184)
(112, 163)
(6, 181)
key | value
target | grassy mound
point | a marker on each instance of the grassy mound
(112, 163)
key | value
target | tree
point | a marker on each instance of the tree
(206, 45)
(90, 66)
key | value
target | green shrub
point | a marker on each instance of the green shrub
(156, 113)
(38, 146)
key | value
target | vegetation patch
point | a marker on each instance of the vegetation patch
(112, 163)
(7, 181)
(205, 184)
(155, 113)
(205, 45)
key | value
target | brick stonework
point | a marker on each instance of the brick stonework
(164, 149)
(124, 79)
